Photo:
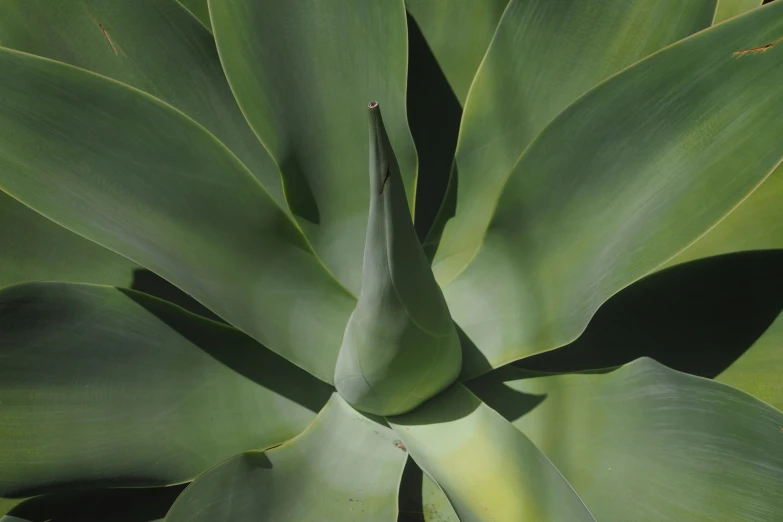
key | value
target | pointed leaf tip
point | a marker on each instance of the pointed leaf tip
(400, 346)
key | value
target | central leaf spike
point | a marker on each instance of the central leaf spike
(400, 346)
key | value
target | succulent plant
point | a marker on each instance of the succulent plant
(210, 311)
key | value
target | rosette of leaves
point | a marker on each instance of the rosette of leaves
(211, 311)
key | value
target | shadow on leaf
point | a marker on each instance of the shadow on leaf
(698, 317)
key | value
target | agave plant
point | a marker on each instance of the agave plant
(210, 311)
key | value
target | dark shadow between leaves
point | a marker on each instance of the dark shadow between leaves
(105, 505)
(453, 403)
(410, 502)
(298, 192)
(434, 115)
(472, 359)
(242, 354)
(698, 317)
(151, 283)
(508, 402)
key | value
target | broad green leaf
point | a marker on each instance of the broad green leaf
(729, 8)
(487, 468)
(649, 444)
(344, 467)
(134, 175)
(35, 248)
(544, 55)
(620, 182)
(115, 388)
(303, 73)
(400, 346)
(199, 9)
(153, 45)
(458, 32)
(107, 505)
(758, 371)
(421, 499)
(756, 224)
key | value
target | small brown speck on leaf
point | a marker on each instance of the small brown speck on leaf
(399, 444)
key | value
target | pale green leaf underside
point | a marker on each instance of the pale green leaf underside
(109, 387)
(458, 33)
(36, 249)
(153, 45)
(487, 469)
(759, 370)
(729, 8)
(621, 181)
(649, 444)
(140, 178)
(303, 73)
(344, 467)
(544, 55)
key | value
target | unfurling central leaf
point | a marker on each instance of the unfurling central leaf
(400, 346)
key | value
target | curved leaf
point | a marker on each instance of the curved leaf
(110, 387)
(400, 346)
(729, 8)
(138, 177)
(153, 45)
(648, 443)
(488, 469)
(758, 371)
(544, 55)
(756, 224)
(29, 241)
(653, 158)
(345, 466)
(303, 73)
(458, 34)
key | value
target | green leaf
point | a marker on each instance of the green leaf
(488, 469)
(756, 224)
(458, 34)
(107, 505)
(199, 9)
(303, 73)
(153, 45)
(620, 182)
(29, 240)
(544, 55)
(400, 346)
(345, 466)
(729, 8)
(115, 388)
(648, 443)
(134, 175)
(758, 371)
